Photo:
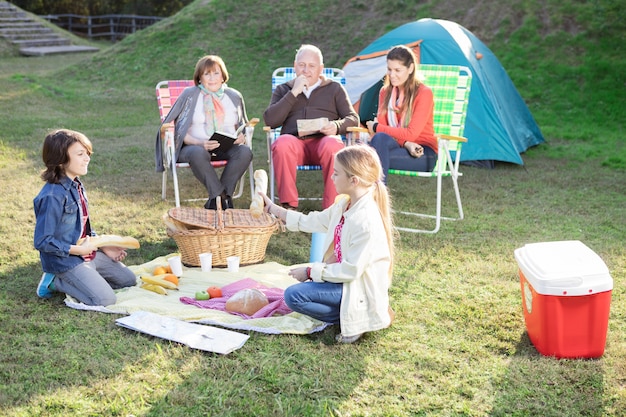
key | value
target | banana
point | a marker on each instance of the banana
(154, 288)
(158, 280)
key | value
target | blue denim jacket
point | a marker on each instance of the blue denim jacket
(58, 213)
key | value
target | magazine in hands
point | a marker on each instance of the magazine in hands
(226, 140)
(308, 127)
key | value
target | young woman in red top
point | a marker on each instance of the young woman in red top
(402, 132)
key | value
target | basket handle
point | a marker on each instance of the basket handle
(220, 213)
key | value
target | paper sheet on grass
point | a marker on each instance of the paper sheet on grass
(196, 336)
(271, 274)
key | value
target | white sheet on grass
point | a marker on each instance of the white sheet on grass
(196, 336)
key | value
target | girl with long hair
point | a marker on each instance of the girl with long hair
(350, 287)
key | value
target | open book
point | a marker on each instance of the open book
(226, 140)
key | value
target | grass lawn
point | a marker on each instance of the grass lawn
(459, 345)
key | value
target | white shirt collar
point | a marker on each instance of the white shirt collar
(307, 91)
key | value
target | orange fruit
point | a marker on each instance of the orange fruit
(159, 270)
(168, 269)
(214, 292)
(171, 278)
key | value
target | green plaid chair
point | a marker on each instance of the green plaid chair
(281, 76)
(451, 89)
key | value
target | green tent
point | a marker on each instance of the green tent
(498, 126)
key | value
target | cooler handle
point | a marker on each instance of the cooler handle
(566, 282)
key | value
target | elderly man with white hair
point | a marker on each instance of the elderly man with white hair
(309, 95)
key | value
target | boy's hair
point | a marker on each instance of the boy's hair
(55, 155)
(207, 63)
(363, 162)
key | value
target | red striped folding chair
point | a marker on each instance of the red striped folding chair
(167, 92)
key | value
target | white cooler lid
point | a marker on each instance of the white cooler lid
(563, 268)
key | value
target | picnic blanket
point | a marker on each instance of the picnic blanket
(267, 275)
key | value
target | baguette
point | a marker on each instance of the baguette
(260, 185)
(99, 241)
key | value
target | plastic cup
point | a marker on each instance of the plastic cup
(233, 263)
(206, 261)
(176, 264)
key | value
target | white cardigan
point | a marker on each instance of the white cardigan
(364, 268)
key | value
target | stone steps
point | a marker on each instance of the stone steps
(10, 29)
(50, 50)
(32, 42)
(32, 37)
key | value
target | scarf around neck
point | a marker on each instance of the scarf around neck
(395, 118)
(213, 110)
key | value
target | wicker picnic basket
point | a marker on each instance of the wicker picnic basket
(224, 233)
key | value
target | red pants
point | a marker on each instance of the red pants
(288, 152)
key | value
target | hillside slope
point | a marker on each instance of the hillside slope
(566, 59)
(270, 31)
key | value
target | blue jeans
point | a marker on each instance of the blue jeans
(320, 300)
(395, 156)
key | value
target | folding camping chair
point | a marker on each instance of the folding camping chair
(451, 88)
(167, 92)
(280, 76)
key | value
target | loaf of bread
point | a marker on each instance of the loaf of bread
(247, 301)
(260, 185)
(112, 240)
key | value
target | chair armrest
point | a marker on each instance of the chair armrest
(271, 133)
(166, 126)
(452, 137)
(357, 135)
(249, 130)
(168, 147)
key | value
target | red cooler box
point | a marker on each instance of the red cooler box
(566, 297)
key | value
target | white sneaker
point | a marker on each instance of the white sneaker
(347, 339)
